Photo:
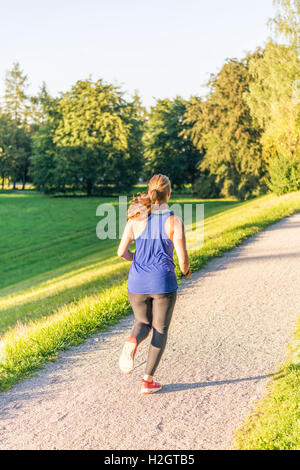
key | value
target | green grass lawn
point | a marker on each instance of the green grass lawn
(50, 254)
(59, 283)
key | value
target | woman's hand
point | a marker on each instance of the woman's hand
(187, 275)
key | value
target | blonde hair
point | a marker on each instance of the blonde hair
(159, 187)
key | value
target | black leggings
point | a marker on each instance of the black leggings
(152, 311)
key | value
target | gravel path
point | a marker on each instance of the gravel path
(231, 325)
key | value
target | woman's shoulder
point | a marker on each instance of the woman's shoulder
(174, 220)
(138, 226)
(173, 226)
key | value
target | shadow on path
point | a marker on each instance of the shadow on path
(169, 388)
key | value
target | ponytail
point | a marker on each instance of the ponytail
(139, 205)
(159, 187)
(155, 195)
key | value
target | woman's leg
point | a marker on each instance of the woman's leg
(162, 310)
(142, 308)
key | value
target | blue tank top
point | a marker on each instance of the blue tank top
(152, 270)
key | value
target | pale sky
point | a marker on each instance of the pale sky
(162, 48)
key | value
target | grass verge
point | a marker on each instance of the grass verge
(27, 347)
(275, 422)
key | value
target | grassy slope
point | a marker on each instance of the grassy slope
(275, 422)
(39, 234)
(87, 294)
(50, 255)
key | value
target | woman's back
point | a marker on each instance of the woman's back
(153, 268)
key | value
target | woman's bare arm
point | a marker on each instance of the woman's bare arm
(175, 231)
(127, 237)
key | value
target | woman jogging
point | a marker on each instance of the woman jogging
(152, 284)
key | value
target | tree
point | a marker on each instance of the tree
(126, 167)
(94, 140)
(167, 149)
(20, 155)
(16, 101)
(41, 104)
(49, 169)
(223, 128)
(4, 149)
(43, 170)
(205, 184)
(287, 21)
(15, 149)
(273, 102)
(273, 98)
(16, 110)
(270, 99)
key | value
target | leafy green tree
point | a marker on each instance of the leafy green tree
(284, 174)
(15, 149)
(223, 128)
(168, 149)
(16, 100)
(49, 170)
(95, 131)
(94, 140)
(126, 167)
(16, 111)
(287, 21)
(205, 184)
(21, 155)
(5, 140)
(274, 101)
(43, 169)
(270, 99)
(41, 105)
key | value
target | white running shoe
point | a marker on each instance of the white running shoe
(126, 360)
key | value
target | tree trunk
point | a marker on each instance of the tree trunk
(14, 185)
(24, 178)
(89, 187)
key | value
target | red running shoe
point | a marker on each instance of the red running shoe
(150, 387)
(126, 360)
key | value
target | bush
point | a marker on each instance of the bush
(206, 187)
(284, 174)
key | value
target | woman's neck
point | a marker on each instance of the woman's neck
(160, 205)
